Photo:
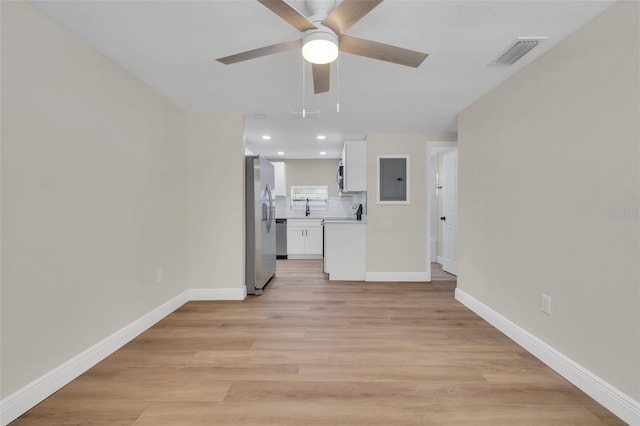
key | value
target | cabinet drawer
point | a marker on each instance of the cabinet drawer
(304, 223)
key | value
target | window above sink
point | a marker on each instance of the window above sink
(318, 196)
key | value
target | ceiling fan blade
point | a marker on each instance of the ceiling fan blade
(321, 77)
(289, 14)
(348, 13)
(263, 51)
(381, 51)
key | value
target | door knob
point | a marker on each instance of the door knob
(443, 218)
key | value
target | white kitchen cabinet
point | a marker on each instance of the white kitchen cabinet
(345, 250)
(354, 160)
(304, 238)
(280, 170)
(313, 240)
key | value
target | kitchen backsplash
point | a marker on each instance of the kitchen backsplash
(338, 207)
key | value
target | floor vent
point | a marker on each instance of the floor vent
(521, 47)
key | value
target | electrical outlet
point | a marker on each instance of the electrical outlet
(545, 303)
(159, 276)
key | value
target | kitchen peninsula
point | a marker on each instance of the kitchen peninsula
(345, 243)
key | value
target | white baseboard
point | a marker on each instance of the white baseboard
(21, 401)
(619, 403)
(217, 293)
(440, 259)
(397, 276)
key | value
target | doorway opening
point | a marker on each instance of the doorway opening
(442, 215)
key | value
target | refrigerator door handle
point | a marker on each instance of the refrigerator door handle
(269, 208)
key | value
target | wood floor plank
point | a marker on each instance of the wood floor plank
(300, 412)
(314, 352)
(354, 358)
(59, 411)
(414, 393)
(392, 373)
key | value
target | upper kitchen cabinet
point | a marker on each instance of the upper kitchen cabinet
(354, 160)
(280, 169)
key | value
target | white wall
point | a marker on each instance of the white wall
(216, 201)
(397, 246)
(94, 196)
(104, 182)
(544, 159)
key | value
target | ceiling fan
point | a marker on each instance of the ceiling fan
(324, 36)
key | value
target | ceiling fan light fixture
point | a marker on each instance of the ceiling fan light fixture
(320, 46)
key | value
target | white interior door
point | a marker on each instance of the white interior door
(450, 212)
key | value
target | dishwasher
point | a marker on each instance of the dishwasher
(281, 238)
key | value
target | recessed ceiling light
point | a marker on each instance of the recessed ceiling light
(321, 137)
(323, 153)
(266, 137)
(280, 152)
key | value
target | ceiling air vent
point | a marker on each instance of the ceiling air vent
(521, 47)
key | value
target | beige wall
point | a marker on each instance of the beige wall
(216, 200)
(397, 233)
(312, 172)
(94, 197)
(544, 159)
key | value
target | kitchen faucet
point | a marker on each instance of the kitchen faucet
(307, 211)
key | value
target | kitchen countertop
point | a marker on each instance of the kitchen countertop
(330, 219)
(302, 217)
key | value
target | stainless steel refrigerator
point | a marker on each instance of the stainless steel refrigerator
(260, 220)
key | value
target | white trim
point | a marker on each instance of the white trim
(22, 400)
(397, 276)
(440, 259)
(619, 403)
(217, 293)
(441, 145)
(434, 250)
(433, 147)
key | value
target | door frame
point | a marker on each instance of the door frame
(431, 147)
(450, 206)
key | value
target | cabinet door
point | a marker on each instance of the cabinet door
(295, 240)
(313, 243)
(280, 170)
(354, 157)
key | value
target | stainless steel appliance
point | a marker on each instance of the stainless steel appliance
(340, 177)
(260, 221)
(281, 238)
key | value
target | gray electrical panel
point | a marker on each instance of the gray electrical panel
(393, 179)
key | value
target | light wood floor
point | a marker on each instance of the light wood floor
(437, 274)
(313, 352)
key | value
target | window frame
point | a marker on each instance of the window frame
(319, 203)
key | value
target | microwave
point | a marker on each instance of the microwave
(340, 177)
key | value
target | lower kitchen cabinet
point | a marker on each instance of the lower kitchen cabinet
(304, 238)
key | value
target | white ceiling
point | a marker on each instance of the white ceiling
(172, 46)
